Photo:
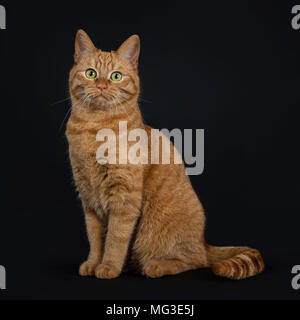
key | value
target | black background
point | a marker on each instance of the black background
(229, 67)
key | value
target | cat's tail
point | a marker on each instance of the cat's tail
(234, 262)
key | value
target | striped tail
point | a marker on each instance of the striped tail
(234, 262)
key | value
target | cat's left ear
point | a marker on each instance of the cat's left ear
(130, 50)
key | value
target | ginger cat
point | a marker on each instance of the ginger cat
(152, 206)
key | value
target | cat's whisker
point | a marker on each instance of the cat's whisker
(67, 113)
(85, 100)
(80, 101)
(129, 104)
(90, 100)
(144, 100)
(122, 105)
(60, 101)
(116, 102)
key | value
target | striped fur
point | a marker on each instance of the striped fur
(235, 262)
(145, 217)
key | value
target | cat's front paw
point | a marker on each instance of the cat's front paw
(104, 271)
(87, 268)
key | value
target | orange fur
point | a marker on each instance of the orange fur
(155, 199)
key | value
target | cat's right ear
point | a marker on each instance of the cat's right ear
(83, 45)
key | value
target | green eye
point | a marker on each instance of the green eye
(91, 74)
(116, 76)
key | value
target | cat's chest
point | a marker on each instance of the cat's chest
(83, 155)
(89, 174)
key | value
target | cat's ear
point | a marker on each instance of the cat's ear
(83, 45)
(130, 50)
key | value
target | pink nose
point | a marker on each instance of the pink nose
(101, 86)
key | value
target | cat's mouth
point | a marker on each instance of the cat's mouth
(102, 100)
(98, 100)
(102, 97)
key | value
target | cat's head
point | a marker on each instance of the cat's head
(102, 79)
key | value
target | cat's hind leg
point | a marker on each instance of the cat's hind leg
(158, 268)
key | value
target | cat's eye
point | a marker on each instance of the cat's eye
(116, 76)
(91, 74)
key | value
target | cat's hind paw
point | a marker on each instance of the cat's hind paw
(153, 270)
(104, 271)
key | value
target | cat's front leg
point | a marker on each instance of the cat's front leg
(123, 215)
(95, 232)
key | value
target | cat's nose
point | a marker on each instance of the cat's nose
(102, 86)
